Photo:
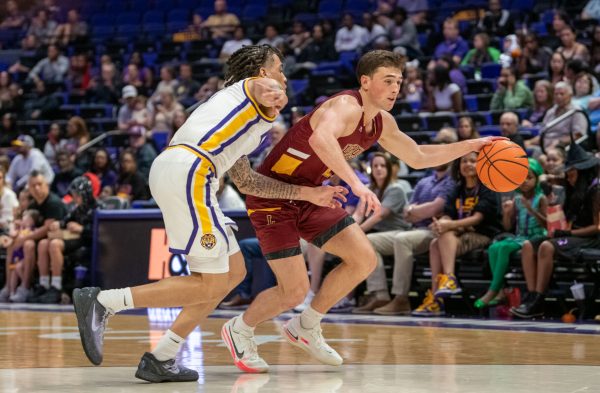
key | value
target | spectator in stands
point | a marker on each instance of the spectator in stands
(77, 136)
(591, 10)
(443, 95)
(14, 19)
(143, 150)
(469, 222)
(178, 119)
(42, 27)
(467, 129)
(106, 88)
(375, 35)
(318, 50)
(167, 81)
(584, 86)
(103, 168)
(453, 43)
(186, 85)
(524, 219)
(595, 50)
(496, 21)
(67, 172)
(132, 113)
(51, 209)
(130, 184)
(576, 68)
(133, 77)
(350, 36)
(482, 52)
(554, 166)
(543, 96)
(28, 160)
(412, 86)
(207, 90)
(272, 37)
(14, 257)
(570, 48)
(8, 129)
(556, 70)
(237, 42)
(79, 75)
(426, 202)
(222, 23)
(535, 59)
(391, 194)
(53, 144)
(299, 38)
(560, 134)
(511, 92)
(6, 99)
(403, 32)
(42, 105)
(73, 31)
(52, 69)
(456, 75)
(509, 127)
(560, 20)
(164, 112)
(69, 234)
(8, 204)
(582, 209)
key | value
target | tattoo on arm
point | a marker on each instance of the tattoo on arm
(251, 183)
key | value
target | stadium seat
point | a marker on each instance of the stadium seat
(435, 121)
(409, 123)
(490, 70)
(480, 86)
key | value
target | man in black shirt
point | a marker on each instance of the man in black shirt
(51, 209)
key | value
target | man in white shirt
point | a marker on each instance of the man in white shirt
(29, 159)
(350, 36)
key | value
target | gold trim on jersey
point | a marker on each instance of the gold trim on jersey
(266, 209)
(256, 104)
(229, 130)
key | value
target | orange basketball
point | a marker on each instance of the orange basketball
(502, 166)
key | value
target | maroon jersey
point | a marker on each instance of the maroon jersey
(293, 161)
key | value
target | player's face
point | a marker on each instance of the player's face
(274, 70)
(384, 87)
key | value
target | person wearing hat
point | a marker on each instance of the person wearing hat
(28, 159)
(126, 117)
(66, 236)
(581, 207)
(524, 217)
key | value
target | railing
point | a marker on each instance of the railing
(561, 118)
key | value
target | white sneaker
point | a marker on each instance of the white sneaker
(311, 340)
(4, 295)
(307, 300)
(20, 296)
(243, 349)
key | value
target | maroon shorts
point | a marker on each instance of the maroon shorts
(280, 224)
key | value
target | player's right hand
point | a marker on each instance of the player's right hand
(328, 196)
(368, 197)
(269, 93)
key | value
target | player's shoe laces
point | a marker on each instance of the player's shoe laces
(91, 320)
(242, 349)
(153, 370)
(310, 340)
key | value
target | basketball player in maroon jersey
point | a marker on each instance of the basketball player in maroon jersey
(337, 130)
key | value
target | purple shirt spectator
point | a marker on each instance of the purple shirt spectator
(456, 47)
(428, 189)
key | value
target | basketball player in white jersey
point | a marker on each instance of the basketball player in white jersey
(183, 181)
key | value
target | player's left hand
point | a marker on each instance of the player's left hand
(327, 196)
(479, 143)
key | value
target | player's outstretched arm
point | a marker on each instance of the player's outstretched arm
(250, 182)
(425, 156)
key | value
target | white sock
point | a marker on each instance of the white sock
(241, 327)
(45, 281)
(57, 282)
(167, 346)
(116, 300)
(310, 318)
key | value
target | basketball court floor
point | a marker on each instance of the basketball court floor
(40, 351)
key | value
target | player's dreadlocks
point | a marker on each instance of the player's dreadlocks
(247, 61)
